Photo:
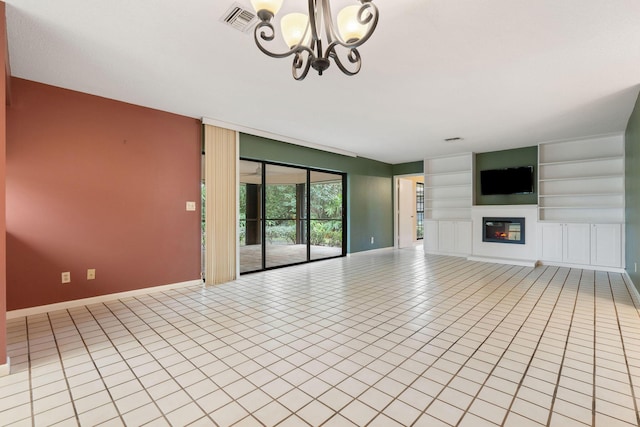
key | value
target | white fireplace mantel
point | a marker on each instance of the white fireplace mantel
(508, 253)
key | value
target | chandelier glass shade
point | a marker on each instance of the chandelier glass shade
(314, 39)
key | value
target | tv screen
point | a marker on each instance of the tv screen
(507, 181)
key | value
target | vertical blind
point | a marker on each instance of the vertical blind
(220, 147)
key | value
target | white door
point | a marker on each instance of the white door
(606, 245)
(446, 237)
(406, 213)
(577, 243)
(551, 241)
(431, 236)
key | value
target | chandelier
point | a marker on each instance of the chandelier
(312, 39)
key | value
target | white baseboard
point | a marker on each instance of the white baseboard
(584, 266)
(447, 254)
(96, 300)
(632, 287)
(508, 261)
(5, 369)
(370, 251)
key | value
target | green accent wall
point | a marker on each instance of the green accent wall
(632, 194)
(369, 187)
(527, 156)
(411, 168)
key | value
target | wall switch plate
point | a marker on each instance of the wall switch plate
(191, 206)
(66, 277)
(372, 240)
(91, 273)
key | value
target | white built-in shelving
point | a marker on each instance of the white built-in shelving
(582, 181)
(448, 187)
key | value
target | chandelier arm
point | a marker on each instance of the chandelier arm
(371, 19)
(353, 57)
(301, 64)
(328, 25)
(313, 24)
(260, 34)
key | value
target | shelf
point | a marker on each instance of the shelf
(458, 172)
(581, 178)
(582, 181)
(593, 159)
(448, 219)
(576, 221)
(442, 199)
(581, 207)
(447, 209)
(447, 186)
(610, 194)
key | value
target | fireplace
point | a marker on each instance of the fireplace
(503, 230)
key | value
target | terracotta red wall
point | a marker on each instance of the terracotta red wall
(96, 183)
(3, 228)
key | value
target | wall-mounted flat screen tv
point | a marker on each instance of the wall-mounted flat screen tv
(517, 180)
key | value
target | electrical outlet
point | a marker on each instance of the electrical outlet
(66, 277)
(191, 206)
(372, 240)
(91, 273)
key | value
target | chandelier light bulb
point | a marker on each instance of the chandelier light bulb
(349, 27)
(271, 6)
(294, 27)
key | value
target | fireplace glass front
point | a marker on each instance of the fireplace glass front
(503, 230)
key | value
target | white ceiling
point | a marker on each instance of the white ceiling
(498, 73)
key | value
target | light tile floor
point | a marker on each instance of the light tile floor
(392, 338)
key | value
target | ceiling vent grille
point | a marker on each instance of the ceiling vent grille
(239, 18)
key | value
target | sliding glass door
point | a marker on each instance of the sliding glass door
(250, 216)
(326, 215)
(289, 215)
(285, 215)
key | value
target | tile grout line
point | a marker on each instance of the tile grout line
(493, 271)
(594, 360)
(163, 415)
(515, 335)
(626, 359)
(564, 353)
(445, 329)
(514, 288)
(535, 350)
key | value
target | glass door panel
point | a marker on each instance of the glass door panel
(285, 215)
(326, 229)
(250, 216)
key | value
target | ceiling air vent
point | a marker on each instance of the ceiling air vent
(239, 18)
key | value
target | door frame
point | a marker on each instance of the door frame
(308, 170)
(396, 226)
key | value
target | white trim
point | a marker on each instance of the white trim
(396, 183)
(96, 300)
(631, 285)
(509, 261)
(370, 251)
(582, 138)
(6, 368)
(275, 136)
(237, 204)
(584, 266)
